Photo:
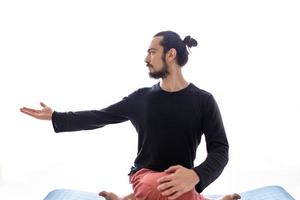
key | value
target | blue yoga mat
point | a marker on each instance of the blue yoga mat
(264, 193)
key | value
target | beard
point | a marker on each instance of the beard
(162, 73)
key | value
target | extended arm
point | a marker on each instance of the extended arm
(86, 120)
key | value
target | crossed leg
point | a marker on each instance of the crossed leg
(145, 184)
(112, 196)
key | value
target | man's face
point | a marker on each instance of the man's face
(156, 60)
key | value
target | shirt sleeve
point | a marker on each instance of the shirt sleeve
(216, 145)
(92, 119)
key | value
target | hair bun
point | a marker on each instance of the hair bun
(190, 42)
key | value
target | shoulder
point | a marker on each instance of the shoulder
(142, 91)
(147, 89)
(203, 97)
(200, 92)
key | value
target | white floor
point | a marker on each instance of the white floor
(39, 185)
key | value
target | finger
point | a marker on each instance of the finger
(170, 191)
(164, 186)
(175, 195)
(172, 169)
(31, 114)
(164, 179)
(43, 105)
(29, 109)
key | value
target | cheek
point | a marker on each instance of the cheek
(152, 58)
(156, 59)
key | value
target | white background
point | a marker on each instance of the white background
(78, 55)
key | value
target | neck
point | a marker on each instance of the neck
(174, 81)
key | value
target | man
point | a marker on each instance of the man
(170, 118)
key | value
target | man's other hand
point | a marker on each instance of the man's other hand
(178, 181)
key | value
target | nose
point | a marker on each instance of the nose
(147, 59)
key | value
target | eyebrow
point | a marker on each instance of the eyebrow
(151, 49)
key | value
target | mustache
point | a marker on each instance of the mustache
(148, 65)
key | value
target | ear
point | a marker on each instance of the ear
(171, 55)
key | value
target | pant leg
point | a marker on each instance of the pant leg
(144, 183)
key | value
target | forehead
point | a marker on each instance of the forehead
(155, 43)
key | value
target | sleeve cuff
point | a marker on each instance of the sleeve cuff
(54, 121)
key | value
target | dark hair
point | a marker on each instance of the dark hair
(171, 40)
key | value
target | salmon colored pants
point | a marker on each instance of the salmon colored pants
(144, 183)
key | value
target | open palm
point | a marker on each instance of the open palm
(44, 114)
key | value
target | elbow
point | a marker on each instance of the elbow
(223, 156)
(226, 155)
(226, 160)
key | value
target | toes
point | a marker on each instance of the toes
(104, 194)
(109, 195)
(235, 196)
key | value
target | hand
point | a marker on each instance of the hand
(179, 181)
(44, 114)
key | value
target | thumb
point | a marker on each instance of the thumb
(43, 105)
(172, 169)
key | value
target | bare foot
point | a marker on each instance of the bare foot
(231, 197)
(112, 196)
(109, 195)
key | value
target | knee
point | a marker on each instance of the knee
(147, 187)
(191, 195)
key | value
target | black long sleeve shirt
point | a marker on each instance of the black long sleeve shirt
(169, 127)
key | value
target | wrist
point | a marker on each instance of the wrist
(51, 115)
(196, 178)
